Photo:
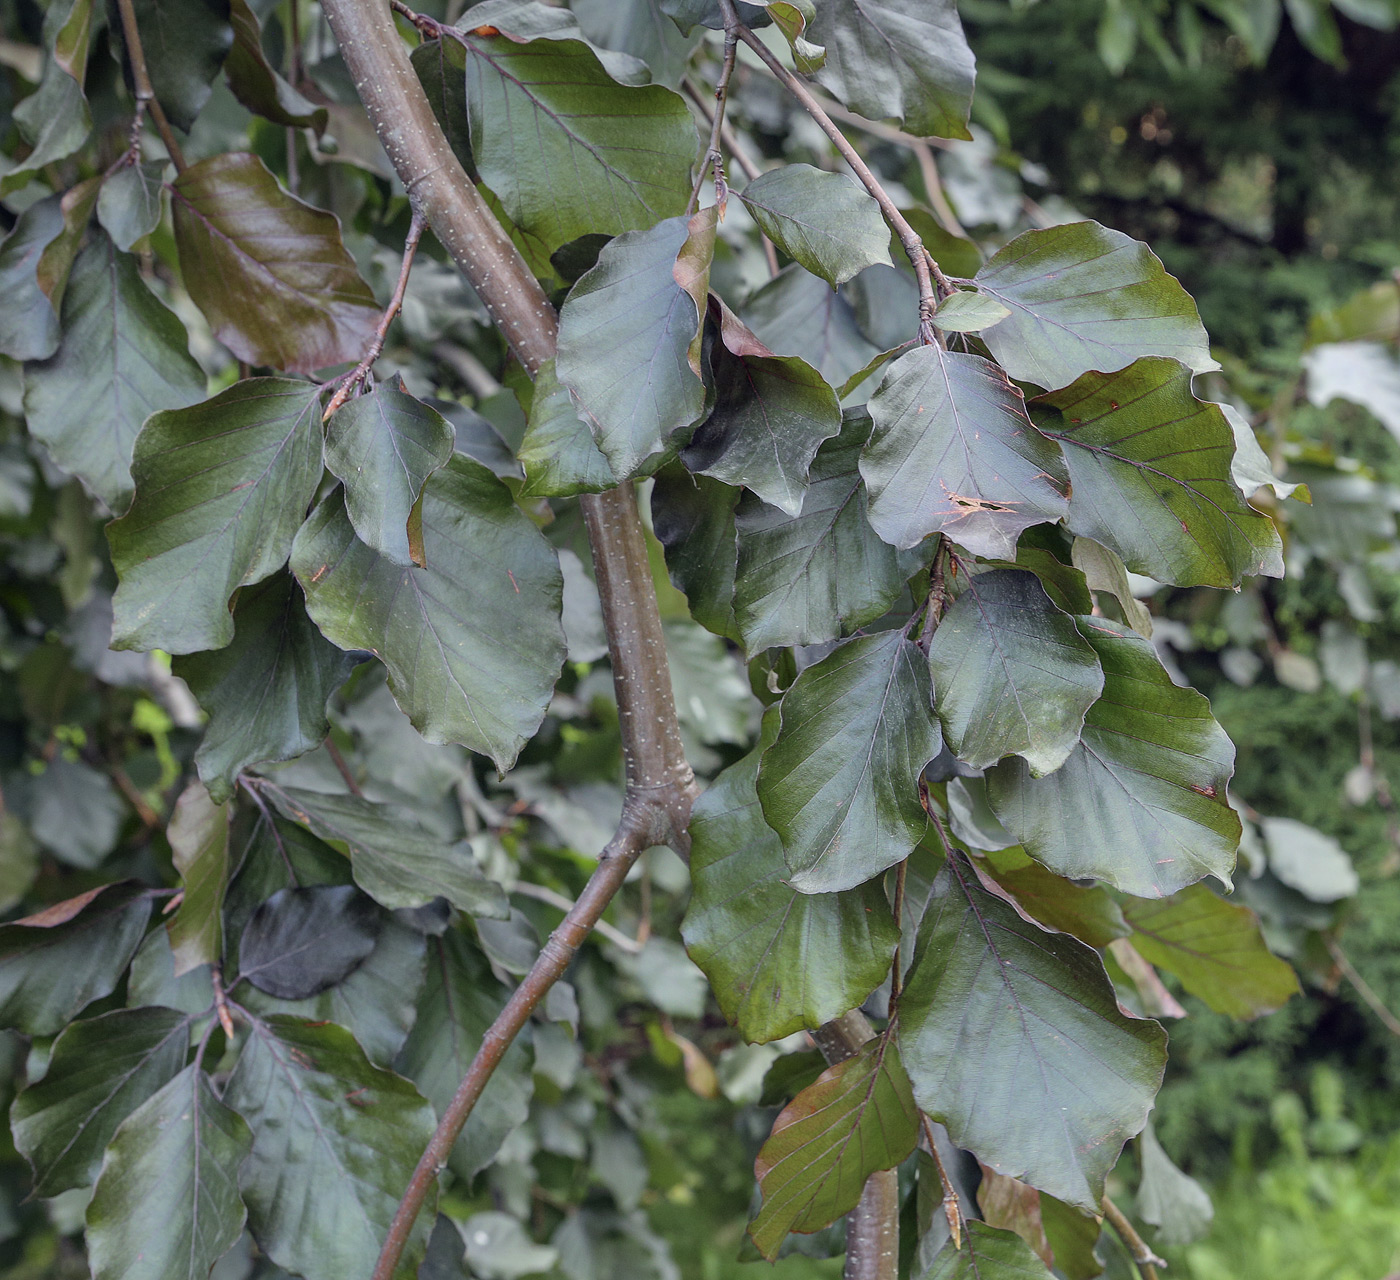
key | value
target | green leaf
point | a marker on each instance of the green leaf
(442, 67)
(185, 43)
(624, 336)
(167, 1205)
(1250, 468)
(693, 517)
(199, 845)
(257, 85)
(968, 311)
(395, 860)
(29, 320)
(858, 1118)
(265, 693)
(75, 812)
(55, 119)
(901, 59)
(129, 204)
(59, 961)
(335, 1141)
(1013, 1039)
(305, 939)
(1215, 948)
(1104, 571)
(220, 490)
(1140, 803)
(1011, 674)
(566, 148)
(100, 1071)
(987, 1254)
(792, 17)
(798, 314)
(639, 28)
(558, 452)
(501, 1248)
(269, 271)
(808, 578)
(1084, 297)
(1172, 1201)
(1149, 469)
(19, 861)
(473, 642)
(840, 784)
(384, 446)
(779, 961)
(461, 1000)
(954, 453)
(770, 416)
(825, 221)
(1305, 859)
(1089, 912)
(123, 356)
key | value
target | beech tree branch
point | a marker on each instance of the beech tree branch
(660, 786)
(141, 77)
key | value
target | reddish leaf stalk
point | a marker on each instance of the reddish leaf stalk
(714, 157)
(145, 94)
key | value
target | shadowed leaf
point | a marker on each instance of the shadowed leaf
(199, 846)
(301, 941)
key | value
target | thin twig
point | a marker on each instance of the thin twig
(937, 594)
(141, 77)
(714, 157)
(342, 767)
(633, 946)
(359, 375)
(1363, 988)
(913, 246)
(1147, 1262)
(898, 906)
(221, 1001)
(616, 860)
(952, 1206)
(256, 796)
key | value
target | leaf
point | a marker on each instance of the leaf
(123, 356)
(185, 43)
(968, 311)
(987, 1254)
(335, 1141)
(1012, 1205)
(1149, 469)
(199, 845)
(779, 961)
(378, 1001)
(1088, 912)
(624, 336)
(558, 452)
(840, 784)
(265, 693)
(639, 28)
(825, 221)
(858, 1118)
(567, 149)
(1215, 948)
(442, 67)
(1307, 860)
(791, 17)
(303, 940)
(1012, 1038)
(808, 578)
(220, 490)
(770, 416)
(901, 59)
(1011, 675)
(1250, 468)
(75, 812)
(29, 327)
(473, 643)
(57, 962)
(167, 1205)
(100, 1071)
(1364, 373)
(257, 85)
(1172, 1201)
(460, 1001)
(1085, 297)
(500, 1248)
(1104, 571)
(1140, 803)
(384, 446)
(954, 453)
(396, 861)
(269, 271)
(129, 204)
(19, 861)
(55, 119)
(798, 314)
(693, 517)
